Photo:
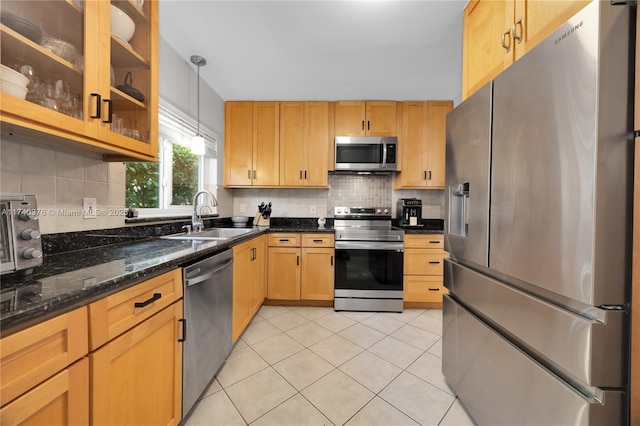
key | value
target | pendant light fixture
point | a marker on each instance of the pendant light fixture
(197, 143)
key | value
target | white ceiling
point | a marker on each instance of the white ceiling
(321, 50)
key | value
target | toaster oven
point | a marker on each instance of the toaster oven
(20, 243)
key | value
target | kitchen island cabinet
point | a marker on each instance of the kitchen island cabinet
(251, 144)
(423, 270)
(365, 118)
(423, 143)
(497, 33)
(79, 110)
(248, 282)
(301, 267)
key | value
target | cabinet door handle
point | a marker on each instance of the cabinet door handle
(254, 254)
(424, 173)
(517, 36)
(362, 124)
(305, 174)
(433, 262)
(505, 36)
(433, 289)
(184, 330)
(248, 174)
(110, 113)
(300, 174)
(98, 105)
(149, 301)
(298, 260)
(254, 175)
(368, 125)
(429, 175)
(332, 260)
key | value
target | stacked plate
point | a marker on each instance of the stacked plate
(22, 26)
(13, 82)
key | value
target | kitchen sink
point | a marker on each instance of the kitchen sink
(213, 234)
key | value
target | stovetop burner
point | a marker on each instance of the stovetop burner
(365, 224)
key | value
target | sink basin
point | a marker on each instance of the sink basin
(213, 234)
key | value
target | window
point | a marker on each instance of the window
(167, 188)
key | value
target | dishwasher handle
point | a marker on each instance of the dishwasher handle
(204, 277)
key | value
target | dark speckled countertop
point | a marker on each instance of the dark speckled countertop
(79, 268)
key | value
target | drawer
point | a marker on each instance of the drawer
(424, 262)
(284, 240)
(317, 240)
(420, 288)
(432, 241)
(37, 353)
(115, 314)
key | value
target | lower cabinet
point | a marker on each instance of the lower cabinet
(300, 267)
(136, 376)
(424, 268)
(248, 282)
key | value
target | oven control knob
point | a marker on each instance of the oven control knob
(28, 214)
(339, 210)
(378, 211)
(32, 253)
(386, 211)
(30, 234)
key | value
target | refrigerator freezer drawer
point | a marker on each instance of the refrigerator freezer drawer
(500, 385)
(587, 352)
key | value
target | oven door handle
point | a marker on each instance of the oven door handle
(369, 245)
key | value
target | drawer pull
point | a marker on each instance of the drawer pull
(284, 240)
(433, 289)
(317, 241)
(436, 262)
(153, 298)
(433, 242)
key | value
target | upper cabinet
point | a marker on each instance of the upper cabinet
(304, 144)
(365, 118)
(89, 88)
(422, 141)
(251, 144)
(497, 33)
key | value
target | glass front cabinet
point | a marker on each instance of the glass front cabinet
(82, 74)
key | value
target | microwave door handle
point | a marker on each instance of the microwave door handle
(384, 155)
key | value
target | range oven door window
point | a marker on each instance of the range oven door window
(363, 269)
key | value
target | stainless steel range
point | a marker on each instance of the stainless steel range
(369, 260)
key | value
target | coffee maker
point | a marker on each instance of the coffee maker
(409, 211)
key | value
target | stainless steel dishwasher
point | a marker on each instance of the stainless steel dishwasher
(208, 299)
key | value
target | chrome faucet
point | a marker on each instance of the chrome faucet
(196, 218)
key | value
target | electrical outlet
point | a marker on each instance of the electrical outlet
(313, 209)
(243, 208)
(89, 208)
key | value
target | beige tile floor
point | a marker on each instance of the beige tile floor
(314, 366)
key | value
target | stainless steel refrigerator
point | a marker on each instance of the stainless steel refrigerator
(538, 225)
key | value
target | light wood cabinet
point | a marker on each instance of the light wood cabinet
(136, 373)
(251, 144)
(35, 354)
(497, 33)
(136, 378)
(423, 269)
(78, 111)
(304, 144)
(61, 400)
(301, 267)
(423, 142)
(248, 282)
(365, 118)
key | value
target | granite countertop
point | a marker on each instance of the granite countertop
(80, 268)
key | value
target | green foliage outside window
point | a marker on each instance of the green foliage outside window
(185, 176)
(143, 185)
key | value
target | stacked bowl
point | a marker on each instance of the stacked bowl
(13, 82)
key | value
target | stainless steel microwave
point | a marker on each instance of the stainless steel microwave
(366, 153)
(20, 244)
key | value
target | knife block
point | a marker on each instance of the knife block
(262, 221)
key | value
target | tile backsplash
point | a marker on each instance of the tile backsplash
(61, 180)
(344, 190)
